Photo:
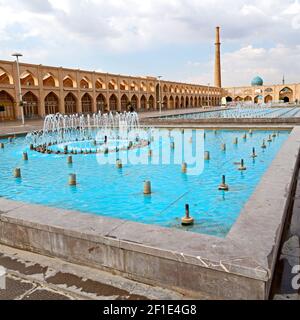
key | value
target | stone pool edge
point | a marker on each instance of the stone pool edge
(238, 267)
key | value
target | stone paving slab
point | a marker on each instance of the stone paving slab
(35, 277)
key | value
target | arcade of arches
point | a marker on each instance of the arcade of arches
(48, 90)
(258, 94)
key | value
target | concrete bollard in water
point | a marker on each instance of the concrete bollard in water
(25, 156)
(184, 167)
(263, 146)
(223, 147)
(147, 187)
(69, 160)
(187, 220)
(206, 155)
(223, 186)
(235, 141)
(72, 179)
(119, 164)
(31, 146)
(269, 139)
(1, 145)
(250, 132)
(17, 173)
(245, 136)
(149, 153)
(242, 166)
(172, 145)
(253, 155)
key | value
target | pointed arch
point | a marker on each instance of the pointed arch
(143, 103)
(171, 102)
(100, 84)
(247, 98)
(134, 102)
(5, 77)
(151, 103)
(192, 102)
(151, 87)
(85, 83)
(7, 106)
(69, 82)
(30, 105)
(112, 85)
(165, 105)
(187, 102)
(134, 86)
(51, 103)
(286, 94)
(182, 102)
(28, 79)
(268, 99)
(50, 81)
(238, 98)
(101, 103)
(86, 103)
(165, 88)
(177, 102)
(143, 86)
(124, 102)
(124, 85)
(70, 103)
(113, 103)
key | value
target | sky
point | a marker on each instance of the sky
(171, 38)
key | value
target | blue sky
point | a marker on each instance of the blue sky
(172, 38)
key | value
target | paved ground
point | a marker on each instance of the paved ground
(34, 277)
(289, 256)
(12, 127)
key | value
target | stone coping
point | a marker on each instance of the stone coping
(249, 250)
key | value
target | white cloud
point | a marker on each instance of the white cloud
(262, 33)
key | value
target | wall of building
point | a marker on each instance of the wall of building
(51, 89)
(272, 93)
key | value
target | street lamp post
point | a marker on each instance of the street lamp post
(208, 104)
(17, 55)
(159, 77)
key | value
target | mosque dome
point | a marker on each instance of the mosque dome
(257, 81)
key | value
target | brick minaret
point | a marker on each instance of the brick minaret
(218, 59)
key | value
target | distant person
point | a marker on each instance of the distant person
(131, 109)
(105, 139)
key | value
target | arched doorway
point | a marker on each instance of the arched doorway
(101, 103)
(177, 102)
(124, 102)
(151, 103)
(30, 105)
(143, 103)
(86, 103)
(70, 104)
(51, 103)
(134, 102)
(268, 99)
(248, 99)
(6, 106)
(165, 103)
(187, 102)
(171, 102)
(228, 99)
(113, 103)
(182, 102)
(286, 95)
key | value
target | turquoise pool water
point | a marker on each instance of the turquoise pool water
(242, 113)
(105, 190)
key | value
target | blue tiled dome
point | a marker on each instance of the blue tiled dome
(257, 81)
